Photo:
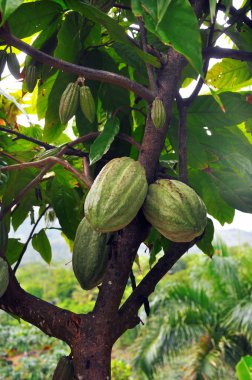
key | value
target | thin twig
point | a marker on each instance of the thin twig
(86, 167)
(218, 53)
(153, 85)
(87, 72)
(24, 137)
(54, 160)
(2, 153)
(182, 139)
(201, 80)
(29, 239)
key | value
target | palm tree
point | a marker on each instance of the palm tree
(207, 318)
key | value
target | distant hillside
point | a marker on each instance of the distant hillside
(61, 252)
(235, 237)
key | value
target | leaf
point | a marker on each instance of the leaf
(67, 206)
(244, 368)
(205, 112)
(209, 192)
(115, 30)
(41, 244)
(175, 25)
(102, 143)
(13, 100)
(32, 17)
(229, 75)
(212, 7)
(205, 243)
(14, 250)
(7, 7)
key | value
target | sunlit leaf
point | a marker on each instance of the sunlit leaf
(41, 244)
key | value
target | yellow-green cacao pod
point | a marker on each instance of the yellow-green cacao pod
(87, 103)
(13, 65)
(3, 59)
(175, 210)
(31, 76)
(69, 102)
(64, 369)
(4, 276)
(90, 255)
(116, 195)
(158, 114)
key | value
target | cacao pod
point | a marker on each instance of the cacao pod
(116, 195)
(90, 255)
(69, 102)
(64, 369)
(13, 65)
(31, 77)
(175, 210)
(3, 59)
(4, 276)
(87, 103)
(158, 114)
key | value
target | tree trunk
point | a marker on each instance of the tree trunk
(92, 360)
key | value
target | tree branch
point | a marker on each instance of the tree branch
(182, 140)
(50, 160)
(29, 239)
(52, 320)
(127, 315)
(150, 73)
(88, 73)
(24, 137)
(217, 52)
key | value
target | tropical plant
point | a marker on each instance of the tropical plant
(208, 321)
(124, 65)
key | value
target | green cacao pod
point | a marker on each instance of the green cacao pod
(116, 195)
(4, 276)
(3, 59)
(69, 102)
(90, 255)
(158, 114)
(13, 65)
(175, 210)
(64, 369)
(31, 76)
(87, 103)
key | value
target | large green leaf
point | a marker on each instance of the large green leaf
(205, 244)
(205, 112)
(209, 192)
(244, 368)
(175, 23)
(67, 206)
(32, 17)
(14, 250)
(41, 244)
(102, 143)
(68, 36)
(229, 75)
(116, 31)
(7, 7)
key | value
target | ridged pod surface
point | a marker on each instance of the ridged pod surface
(158, 114)
(64, 369)
(175, 210)
(3, 59)
(87, 103)
(31, 77)
(90, 255)
(69, 102)
(13, 65)
(4, 276)
(116, 195)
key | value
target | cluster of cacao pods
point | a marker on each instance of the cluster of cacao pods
(116, 196)
(77, 94)
(12, 63)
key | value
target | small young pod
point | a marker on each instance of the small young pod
(158, 113)
(87, 103)
(69, 102)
